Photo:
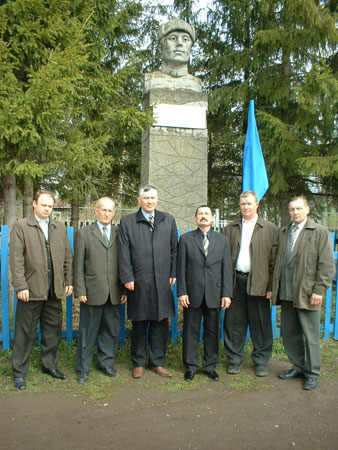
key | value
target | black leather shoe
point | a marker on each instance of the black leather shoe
(110, 371)
(289, 374)
(212, 374)
(19, 383)
(55, 373)
(189, 375)
(82, 377)
(233, 369)
(310, 383)
(261, 370)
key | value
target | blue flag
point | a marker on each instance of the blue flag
(254, 172)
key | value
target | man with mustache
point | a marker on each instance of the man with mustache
(204, 286)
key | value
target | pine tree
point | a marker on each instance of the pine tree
(273, 52)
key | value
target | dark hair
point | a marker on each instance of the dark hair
(204, 206)
(299, 197)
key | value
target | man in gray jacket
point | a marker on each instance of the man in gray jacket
(304, 270)
(97, 286)
(41, 267)
(253, 245)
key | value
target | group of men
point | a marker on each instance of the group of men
(240, 270)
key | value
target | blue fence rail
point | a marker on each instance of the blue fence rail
(329, 325)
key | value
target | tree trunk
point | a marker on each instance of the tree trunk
(9, 196)
(74, 220)
(284, 209)
(28, 196)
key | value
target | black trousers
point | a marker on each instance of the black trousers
(157, 339)
(247, 310)
(100, 322)
(28, 314)
(191, 337)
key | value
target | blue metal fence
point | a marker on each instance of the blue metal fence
(329, 325)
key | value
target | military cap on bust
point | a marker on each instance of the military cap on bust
(176, 25)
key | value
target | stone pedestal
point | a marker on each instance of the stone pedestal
(174, 150)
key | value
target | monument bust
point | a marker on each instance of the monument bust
(175, 39)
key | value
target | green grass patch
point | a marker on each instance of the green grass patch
(101, 388)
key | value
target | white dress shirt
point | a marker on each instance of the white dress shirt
(43, 226)
(243, 260)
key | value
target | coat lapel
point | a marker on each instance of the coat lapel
(213, 241)
(198, 240)
(97, 233)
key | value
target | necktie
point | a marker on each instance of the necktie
(293, 237)
(105, 235)
(205, 243)
(151, 220)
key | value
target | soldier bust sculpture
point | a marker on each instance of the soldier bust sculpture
(176, 39)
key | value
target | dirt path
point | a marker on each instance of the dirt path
(276, 414)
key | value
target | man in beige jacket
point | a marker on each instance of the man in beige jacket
(304, 269)
(41, 267)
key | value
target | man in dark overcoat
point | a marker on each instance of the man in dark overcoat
(204, 285)
(41, 267)
(98, 288)
(303, 272)
(147, 264)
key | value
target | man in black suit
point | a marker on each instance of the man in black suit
(97, 286)
(204, 285)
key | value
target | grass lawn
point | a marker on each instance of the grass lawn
(100, 386)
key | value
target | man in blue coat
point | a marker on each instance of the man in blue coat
(204, 285)
(147, 264)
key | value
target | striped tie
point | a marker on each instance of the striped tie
(293, 237)
(151, 221)
(205, 243)
(105, 235)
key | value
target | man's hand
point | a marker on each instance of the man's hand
(184, 300)
(68, 290)
(82, 298)
(123, 298)
(172, 281)
(23, 295)
(226, 302)
(269, 295)
(316, 299)
(130, 285)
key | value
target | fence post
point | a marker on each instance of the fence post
(174, 321)
(69, 299)
(6, 340)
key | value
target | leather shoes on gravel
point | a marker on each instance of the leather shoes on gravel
(189, 375)
(138, 372)
(290, 374)
(19, 383)
(109, 371)
(310, 383)
(55, 373)
(162, 371)
(82, 377)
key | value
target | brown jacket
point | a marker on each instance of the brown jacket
(314, 269)
(263, 251)
(28, 258)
